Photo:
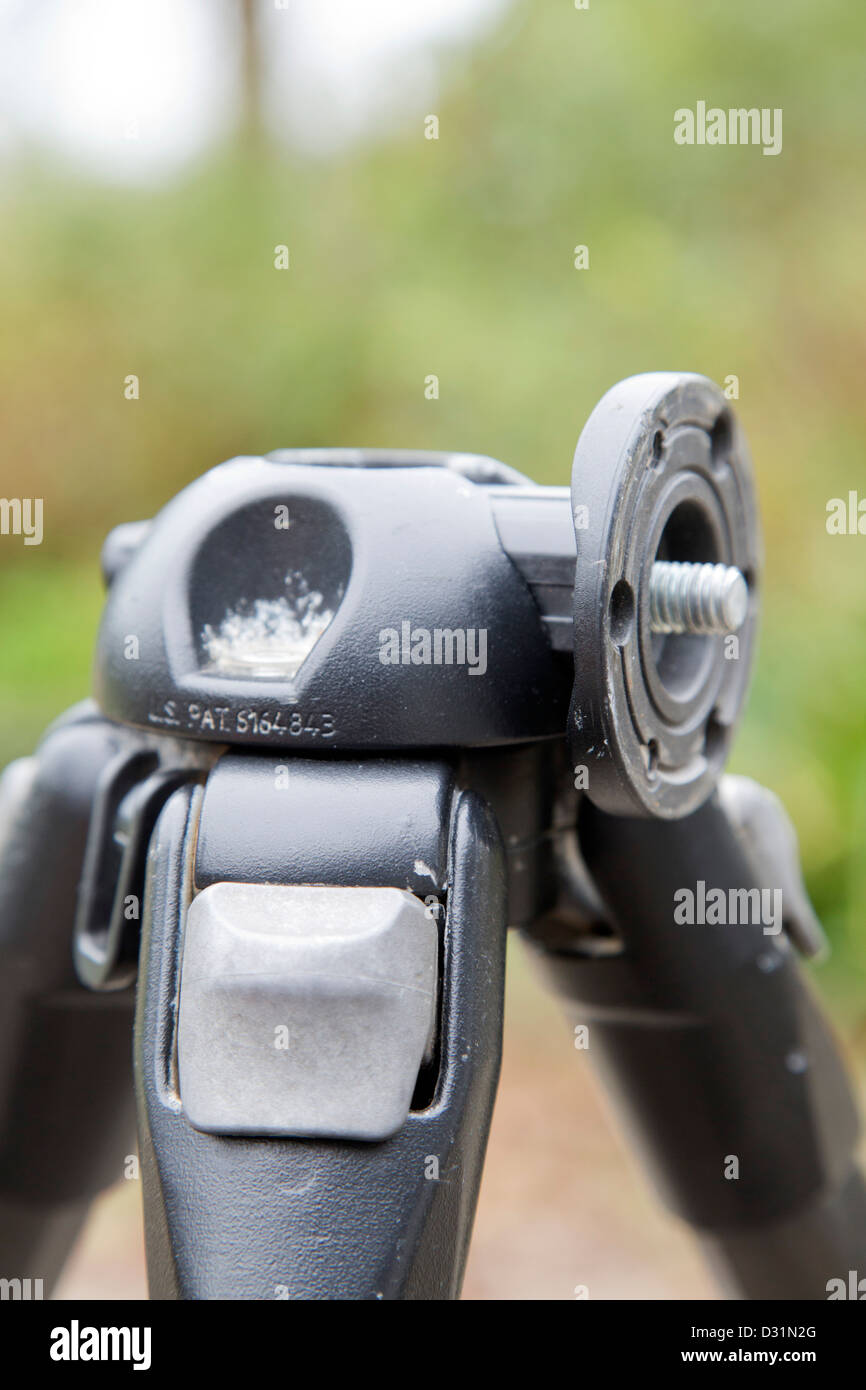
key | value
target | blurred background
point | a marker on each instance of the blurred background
(152, 159)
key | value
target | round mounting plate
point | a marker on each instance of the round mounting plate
(661, 472)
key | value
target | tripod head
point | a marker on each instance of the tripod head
(322, 600)
(355, 601)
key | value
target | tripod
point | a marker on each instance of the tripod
(356, 714)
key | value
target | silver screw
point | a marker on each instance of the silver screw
(700, 599)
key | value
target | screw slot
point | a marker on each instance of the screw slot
(721, 440)
(650, 753)
(621, 612)
(715, 738)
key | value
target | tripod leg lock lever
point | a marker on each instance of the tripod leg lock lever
(769, 842)
(305, 1011)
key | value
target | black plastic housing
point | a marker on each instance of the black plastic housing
(401, 550)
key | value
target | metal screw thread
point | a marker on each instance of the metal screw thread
(698, 599)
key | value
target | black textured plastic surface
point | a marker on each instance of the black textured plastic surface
(401, 549)
(67, 1122)
(270, 1218)
(707, 1034)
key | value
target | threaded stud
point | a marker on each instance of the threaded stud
(699, 599)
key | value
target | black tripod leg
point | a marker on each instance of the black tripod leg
(247, 1216)
(66, 1114)
(718, 1055)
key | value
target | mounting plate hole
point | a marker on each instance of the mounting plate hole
(658, 446)
(721, 440)
(715, 738)
(621, 612)
(650, 753)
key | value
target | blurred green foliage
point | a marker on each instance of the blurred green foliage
(455, 257)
